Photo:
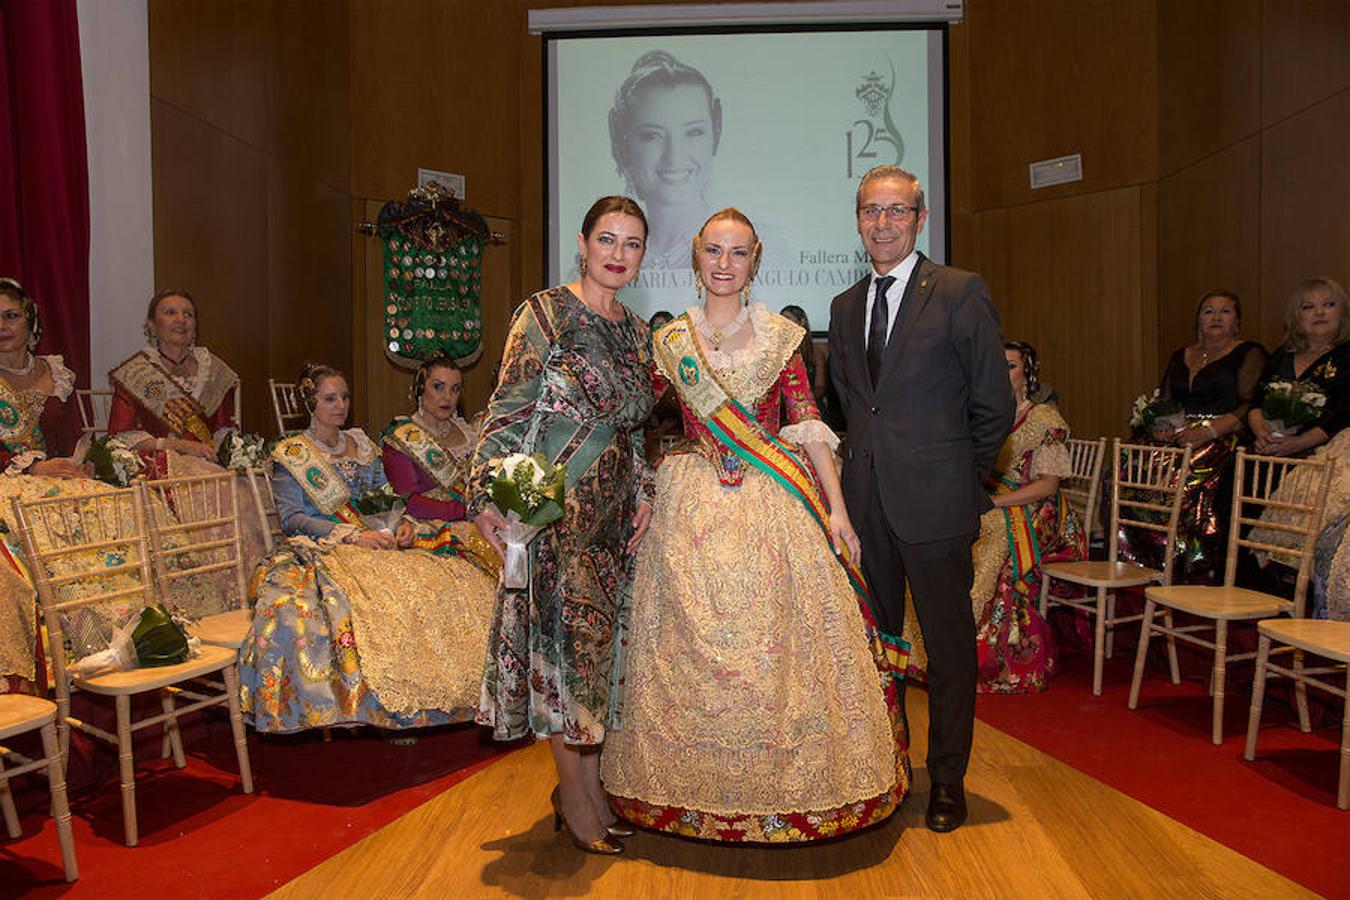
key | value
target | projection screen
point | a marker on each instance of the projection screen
(780, 123)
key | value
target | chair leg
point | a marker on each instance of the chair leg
(1110, 624)
(1343, 784)
(1172, 648)
(1141, 652)
(1098, 642)
(173, 738)
(1045, 593)
(1220, 673)
(128, 769)
(56, 778)
(237, 728)
(63, 727)
(1258, 697)
(7, 804)
(1301, 694)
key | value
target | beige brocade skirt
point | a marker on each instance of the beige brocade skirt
(750, 687)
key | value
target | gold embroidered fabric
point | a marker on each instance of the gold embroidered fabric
(750, 687)
(1300, 486)
(426, 655)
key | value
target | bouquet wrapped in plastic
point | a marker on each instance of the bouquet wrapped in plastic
(1154, 412)
(241, 452)
(1290, 405)
(528, 493)
(381, 508)
(114, 462)
(154, 638)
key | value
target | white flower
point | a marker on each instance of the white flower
(515, 461)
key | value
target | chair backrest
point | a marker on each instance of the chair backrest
(290, 412)
(95, 407)
(90, 561)
(239, 408)
(1275, 496)
(265, 502)
(1146, 493)
(195, 542)
(1082, 489)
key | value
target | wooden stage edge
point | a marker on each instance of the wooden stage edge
(1037, 828)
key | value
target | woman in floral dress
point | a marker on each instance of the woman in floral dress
(575, 386)
(1029, 526)
(759, 701)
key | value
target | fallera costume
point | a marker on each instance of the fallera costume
(758, 702)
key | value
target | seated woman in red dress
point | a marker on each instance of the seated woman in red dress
(173, 395)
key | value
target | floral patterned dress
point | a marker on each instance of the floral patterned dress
(754, 708)
(576, 387)
(1016, 647)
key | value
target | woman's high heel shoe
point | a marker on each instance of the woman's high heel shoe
(602, 846)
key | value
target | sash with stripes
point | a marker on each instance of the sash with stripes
(421, 446)
(682, 361)
(318, 478)
(161, 395)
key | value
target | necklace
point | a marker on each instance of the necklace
(174, 362)
(1204, 354)
(717, 336)
(338, 449)
(25, 369)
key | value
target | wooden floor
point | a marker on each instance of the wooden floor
(1037, 828)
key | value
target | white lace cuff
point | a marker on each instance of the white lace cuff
(1051, 459)
(133, 439)
(19, 464)
(342, 533)
(808, 431)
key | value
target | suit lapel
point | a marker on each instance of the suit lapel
(918, 292)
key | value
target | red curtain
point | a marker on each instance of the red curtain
(44, 177)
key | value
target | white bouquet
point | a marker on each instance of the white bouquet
(114, 462)
(528, 493)
(241, 452)
(1154, 412)
(1289, 405)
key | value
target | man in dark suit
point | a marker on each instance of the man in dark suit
(916, 356)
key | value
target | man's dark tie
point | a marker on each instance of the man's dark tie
(876, 329)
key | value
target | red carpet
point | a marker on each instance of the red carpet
(1279, 810)
(201, 837)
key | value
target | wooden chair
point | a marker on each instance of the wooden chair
(89, 557)
(195, 542)
(265, 503)
(1319, 637)
(1145, 493)
(95, 407)
(1255, 481)
(20, 714)
(289, 410)
(1082, 489)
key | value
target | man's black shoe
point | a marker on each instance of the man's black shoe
(946, 807)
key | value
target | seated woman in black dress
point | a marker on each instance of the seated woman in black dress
(1316, 350)
(1214, 380)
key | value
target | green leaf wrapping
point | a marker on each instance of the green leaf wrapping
(158, 639)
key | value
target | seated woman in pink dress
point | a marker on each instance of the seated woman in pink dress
(427, 457)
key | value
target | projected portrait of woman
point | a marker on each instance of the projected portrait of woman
(664, 130)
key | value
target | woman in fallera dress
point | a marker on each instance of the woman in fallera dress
(575, 386)
(39, 426)
(758, 701)
(350, 626)
(1030, 525)
(427, 456)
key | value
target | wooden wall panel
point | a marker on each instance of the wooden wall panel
(309, 116)
(1305, 57)
(1209, 236)
(209, 204)
(1209, 78)
(1066, 276)
(210, 60)
(437, 85)
(1054, 77)
(1305, 204)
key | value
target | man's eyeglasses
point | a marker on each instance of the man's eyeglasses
(871, 212)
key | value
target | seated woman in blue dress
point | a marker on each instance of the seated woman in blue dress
(354, 625)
